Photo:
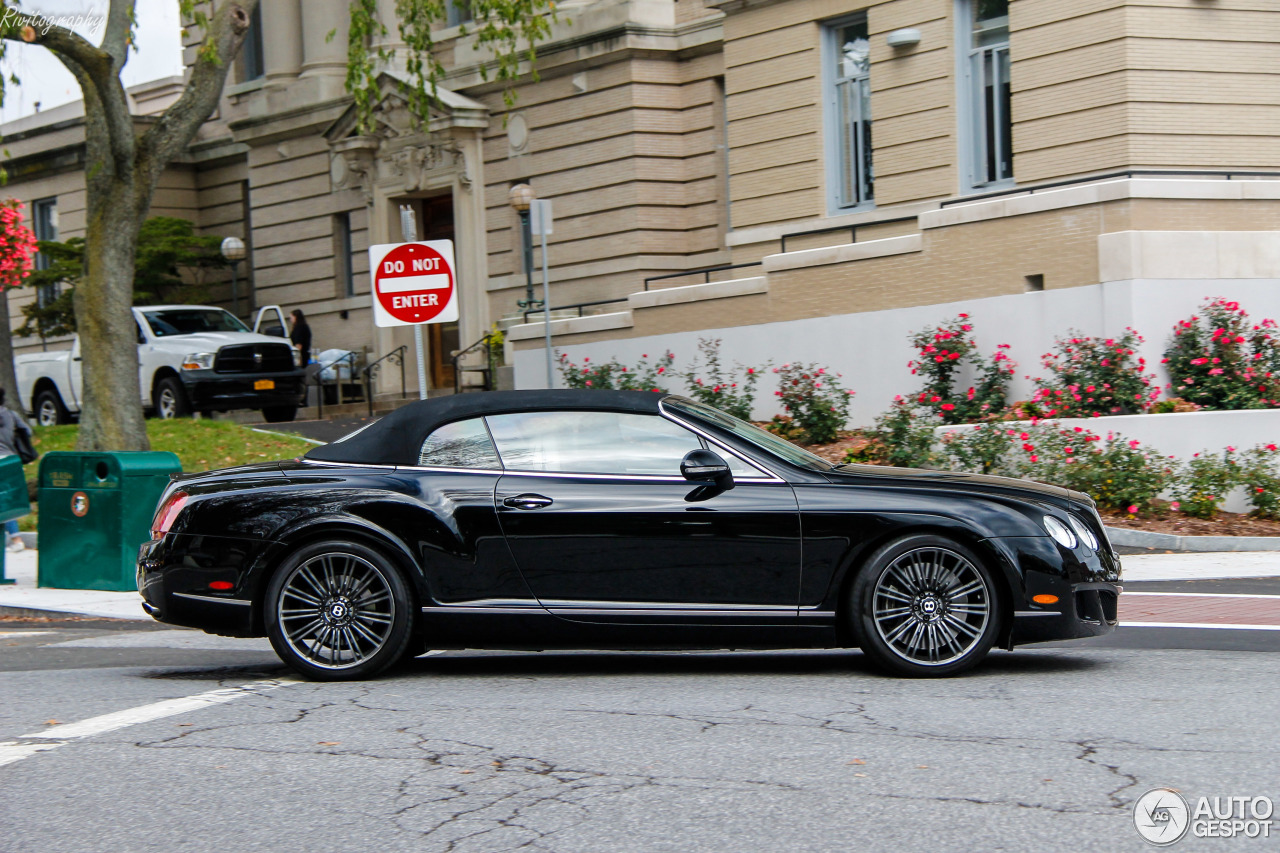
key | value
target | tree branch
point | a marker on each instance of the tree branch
(116, 39)
(179, 123)
(17, 25)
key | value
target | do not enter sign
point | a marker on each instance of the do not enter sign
(413, 283)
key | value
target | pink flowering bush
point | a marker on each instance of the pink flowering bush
(733, 391)
(613, 375)
(17, 245)
(1118, 473)
(902, 436)
(1260, 480)
(815, 400)
(945, 355)
(1090, 377)
(1204, 481)
(1219, 359)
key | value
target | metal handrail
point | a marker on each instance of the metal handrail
(1108, 176)
(852, 229)
(703, 271)
(351, 357)
(487, 370)
(397, 356)
(578, 305)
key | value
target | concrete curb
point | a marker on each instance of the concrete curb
(39, 613)
(1169, 542)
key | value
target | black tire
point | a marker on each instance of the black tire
(339, 611)
(49, 410)
(279, 414)
(170, 399)
(925, 606)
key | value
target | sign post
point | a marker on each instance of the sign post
(540, 220)
(413, 285)
(409, 233)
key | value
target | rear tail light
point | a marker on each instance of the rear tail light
(168, 513)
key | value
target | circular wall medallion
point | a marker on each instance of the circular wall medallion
(517, 132)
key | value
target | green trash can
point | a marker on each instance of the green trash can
(95, 512)
(14, 502)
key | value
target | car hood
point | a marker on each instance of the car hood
(212, 341)
(960, 481)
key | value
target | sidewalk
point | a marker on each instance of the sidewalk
(127, 605)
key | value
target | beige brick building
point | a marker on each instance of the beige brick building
(861, 165)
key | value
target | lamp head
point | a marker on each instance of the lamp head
(233, 249)
(521, 197)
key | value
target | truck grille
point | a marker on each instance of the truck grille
(254, 358)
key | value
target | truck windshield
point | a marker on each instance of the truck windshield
(190, 321)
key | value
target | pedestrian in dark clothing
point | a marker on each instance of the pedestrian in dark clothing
(10, 424)
(300, 335)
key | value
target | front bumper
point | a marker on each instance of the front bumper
(209, 390)
(1084, 586)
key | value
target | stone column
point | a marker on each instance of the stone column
(282, 39)
(325, 59)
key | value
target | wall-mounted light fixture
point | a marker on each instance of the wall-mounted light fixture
(909, 37)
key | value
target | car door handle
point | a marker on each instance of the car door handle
(527, 501)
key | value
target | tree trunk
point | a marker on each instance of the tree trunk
(111, 414)
(8, 375)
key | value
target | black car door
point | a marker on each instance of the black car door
(604, 528)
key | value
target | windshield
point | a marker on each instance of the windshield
(190, 321)
(762, 439)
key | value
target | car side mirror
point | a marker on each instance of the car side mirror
(706, 467)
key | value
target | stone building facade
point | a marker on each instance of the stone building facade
(839, 158)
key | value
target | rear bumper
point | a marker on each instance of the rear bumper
(222, 392)
(174, 576)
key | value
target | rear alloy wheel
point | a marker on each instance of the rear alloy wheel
(925, 606)
(170, 399)
(337, 611)
(49, 409)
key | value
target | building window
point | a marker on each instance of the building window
(342, 255)
(985, 96)
(44, 224)
(252, 66)
(848, 61)
(457, 12)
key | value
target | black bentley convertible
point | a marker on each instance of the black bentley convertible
(603, 519)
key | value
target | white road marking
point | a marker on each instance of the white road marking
(1128, 594)
(1199, 625)
(24, 633)
(287, 435)
(60, 735)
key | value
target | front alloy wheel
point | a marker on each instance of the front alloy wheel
(339, 610)
(925, 606)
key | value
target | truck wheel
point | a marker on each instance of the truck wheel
(170, 399)
(49, 409)
(279, 414)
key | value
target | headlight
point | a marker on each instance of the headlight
(198, 361)
(1082, 530)
(1059, 531)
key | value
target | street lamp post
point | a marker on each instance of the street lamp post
(233, 251)
(521, 197)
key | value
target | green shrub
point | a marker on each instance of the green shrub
(986, 448)
(902, 436)
(1118, 473)
(815, 399)
(1095, 376)
(1219, 360)
(613, 375)
(1261, 482)
(733, 392)
(1204, 481)
(943, 355)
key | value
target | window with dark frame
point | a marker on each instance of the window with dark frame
(457, 12)
(44, 224)
(343, 255)
(252, 65)
(848, 50)
(988, 96)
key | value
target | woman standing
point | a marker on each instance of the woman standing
(11, 424)
(300, 336)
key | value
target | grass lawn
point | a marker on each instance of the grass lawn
(200, 445)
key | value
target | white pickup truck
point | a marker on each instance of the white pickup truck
(190, 358)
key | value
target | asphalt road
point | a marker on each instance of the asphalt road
(1044, 748)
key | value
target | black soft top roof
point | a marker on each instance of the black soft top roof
(397, 438)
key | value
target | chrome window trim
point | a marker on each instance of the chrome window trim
(329, 464)
(711, 439)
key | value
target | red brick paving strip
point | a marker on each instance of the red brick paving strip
(1199, 609)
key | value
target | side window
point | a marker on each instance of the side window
(464, 444)
(740, 469)
(591, 443)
